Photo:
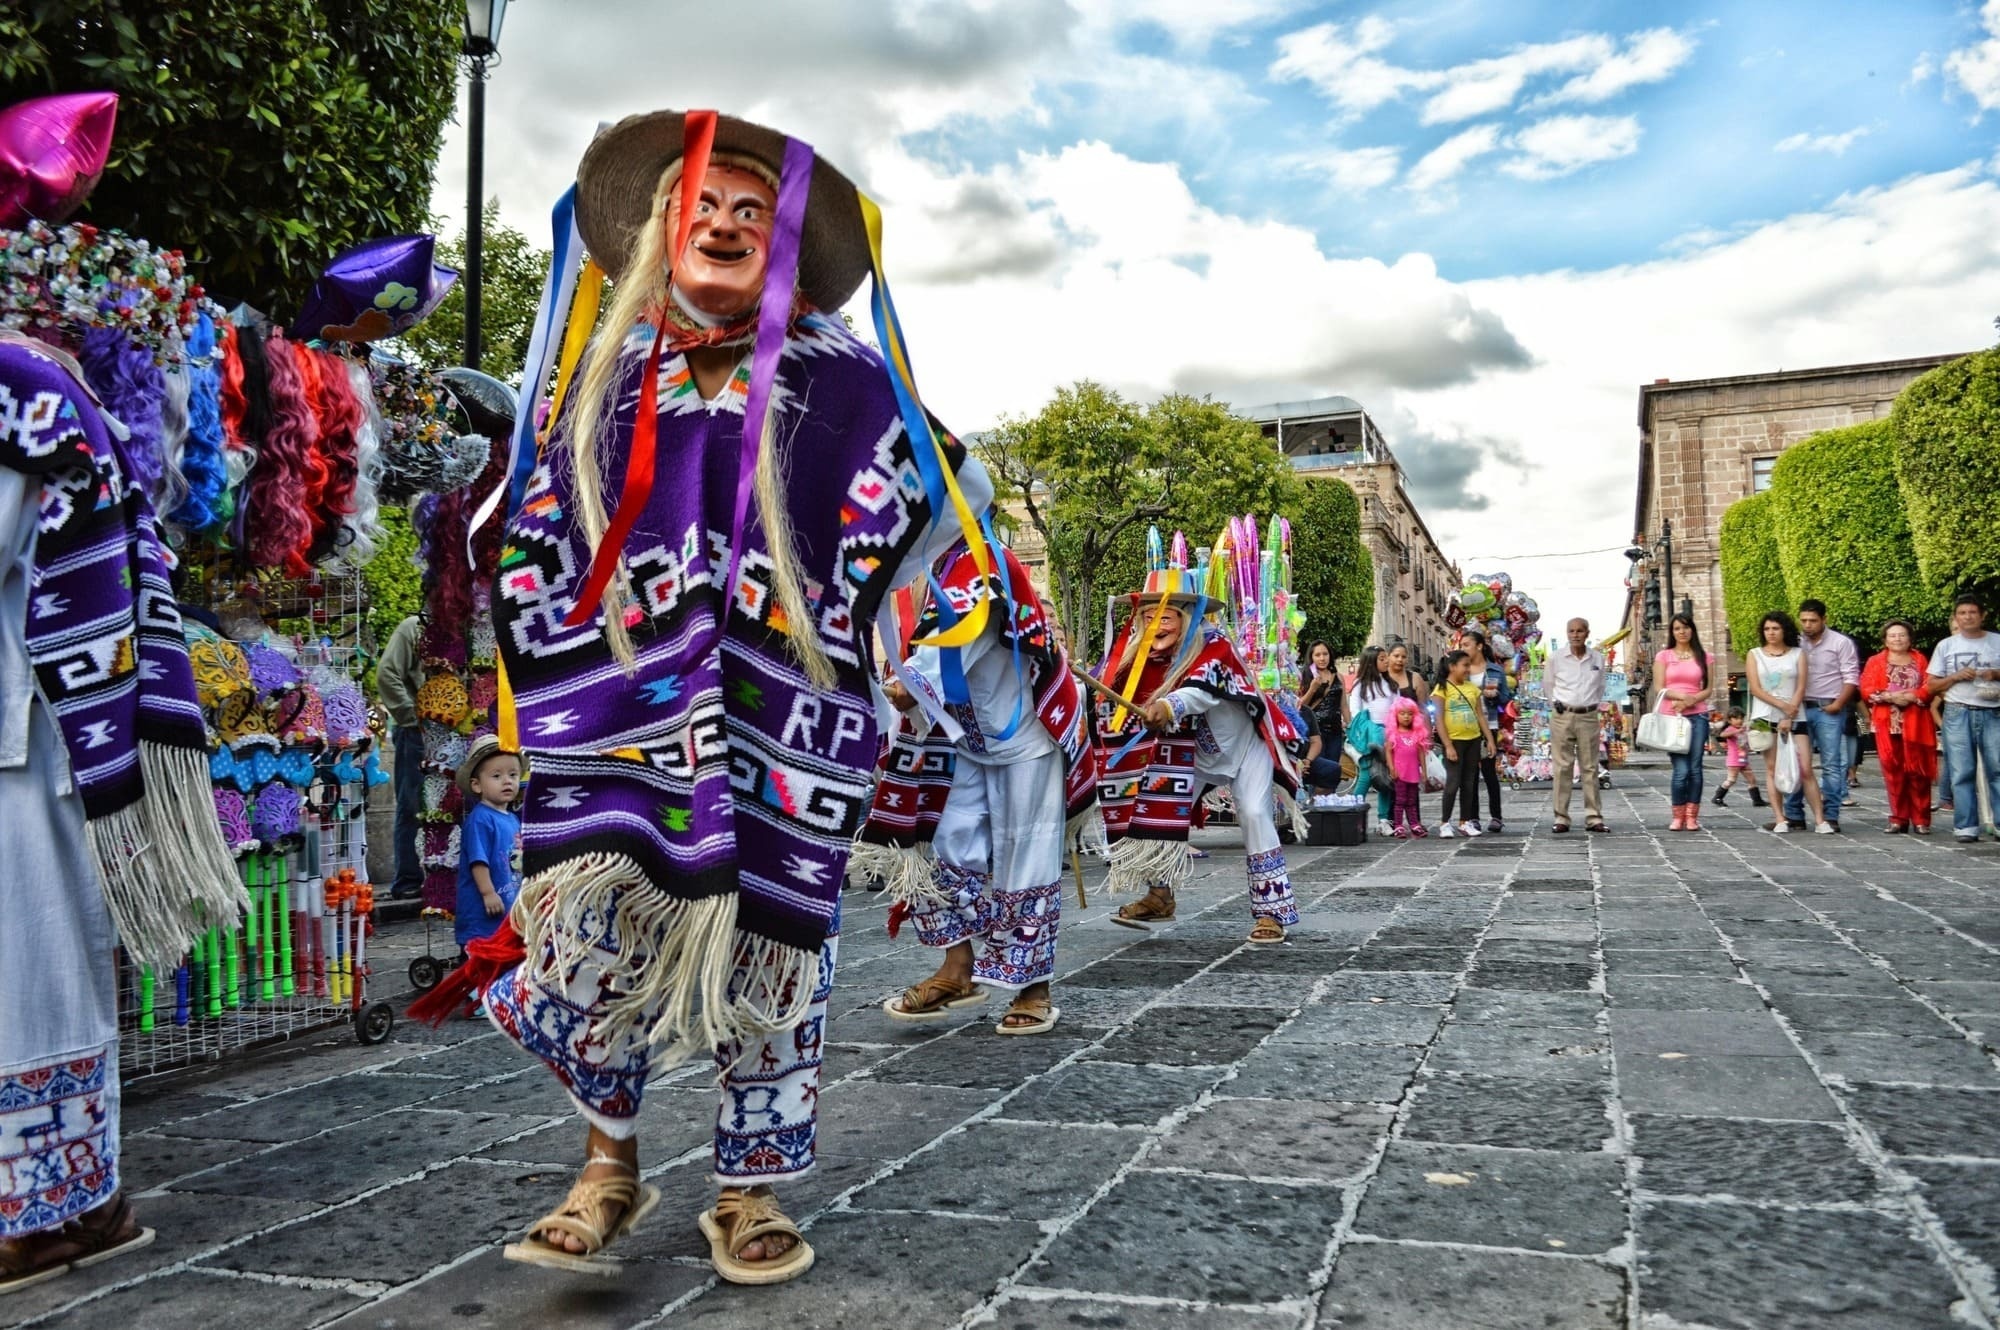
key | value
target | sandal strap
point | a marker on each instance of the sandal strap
(745, 1217)
(1035, 1009)
(582, 1213)
(927, 993)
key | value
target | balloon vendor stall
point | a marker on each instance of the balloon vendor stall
(1511, 623)
(262, 454)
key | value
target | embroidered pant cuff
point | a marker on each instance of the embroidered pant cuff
(1020, 943)
(1271, 889)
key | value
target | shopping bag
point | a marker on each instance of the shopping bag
(1664, 733)
(1433, 771)
(1787, 777)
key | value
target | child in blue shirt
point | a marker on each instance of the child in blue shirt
(490, 779)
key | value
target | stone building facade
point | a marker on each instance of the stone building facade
(1334, 439)
(1705, 443)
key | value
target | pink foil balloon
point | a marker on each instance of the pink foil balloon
(52, 150)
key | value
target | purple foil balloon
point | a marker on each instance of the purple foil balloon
(52, 151)
(375, 290)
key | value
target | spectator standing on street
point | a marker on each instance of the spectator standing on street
(1965, 671)
(1833, 681)
(1776, 674)
(1321, 694)
(1377, 696)
(1573, 681)
(1491, 678)
(490, 780)
(398, 676)
(1893, 684)
(1682, 672)
(1467, 737)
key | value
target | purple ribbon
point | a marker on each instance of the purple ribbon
(773, 320)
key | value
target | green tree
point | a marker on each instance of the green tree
(1215, 465)
(260, 137)
(1842, 536)
(510, 292)
(1947, 427)
(1753, 577)
(1332, 576)
(1085, 469)
(1092, 470)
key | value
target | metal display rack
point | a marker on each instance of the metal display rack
(297, 962)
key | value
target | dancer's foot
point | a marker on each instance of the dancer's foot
(609, 1158)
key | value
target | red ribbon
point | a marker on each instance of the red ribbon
(697, 145)
(632, 500)
(486, 959)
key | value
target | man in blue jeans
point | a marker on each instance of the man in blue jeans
(1833, 681)
(1966, 669)
(398, 676)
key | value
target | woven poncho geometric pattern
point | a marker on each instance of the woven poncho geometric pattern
(917, 774)
(709, 789)
(106, 640)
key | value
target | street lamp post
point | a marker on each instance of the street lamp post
(482, 45)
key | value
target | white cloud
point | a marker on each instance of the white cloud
(1921, 71)
(1340, 61)
(1343, 61)
(1562, 144)
(1445, 161)
(1192, 24)
(1976, 68)
(1356, 169)
(1648, 57)
(1836, 144)
(1482, 87)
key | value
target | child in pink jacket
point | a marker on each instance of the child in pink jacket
(1408, 743)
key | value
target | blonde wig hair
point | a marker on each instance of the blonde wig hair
(640, 296)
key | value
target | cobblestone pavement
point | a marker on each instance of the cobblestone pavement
(1638, 1080)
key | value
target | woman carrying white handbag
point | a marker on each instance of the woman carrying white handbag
(1776, 673)
(1682, 672)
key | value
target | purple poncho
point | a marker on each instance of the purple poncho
(711, 792)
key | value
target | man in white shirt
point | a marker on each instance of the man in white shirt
(1573, 681)
(1966, 669)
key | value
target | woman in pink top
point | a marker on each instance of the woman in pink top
(1682, 673)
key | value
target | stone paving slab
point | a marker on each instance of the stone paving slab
(1646, 1081)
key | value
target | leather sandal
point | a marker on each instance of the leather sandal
(740, 1218)
(582, 1216)
(1267, 929)
(1155, 907)
(1032, 1016)
(933, 999)
(98, 1234)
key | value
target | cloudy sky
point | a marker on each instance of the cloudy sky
(1489, 223)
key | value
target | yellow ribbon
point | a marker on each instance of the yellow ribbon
(582, 319)
(1139, 658)
(966, 630)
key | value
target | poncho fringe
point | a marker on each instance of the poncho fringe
(674, 958)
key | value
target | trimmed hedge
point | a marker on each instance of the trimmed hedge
(1842, 535)
(1947, 428)
(1753, 579)
(1332, 575)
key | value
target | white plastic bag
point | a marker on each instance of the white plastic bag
(1787, 777)
(1433, 772)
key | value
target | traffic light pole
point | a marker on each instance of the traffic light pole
(1667, 561)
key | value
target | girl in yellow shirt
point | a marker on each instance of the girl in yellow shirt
(1467, 738)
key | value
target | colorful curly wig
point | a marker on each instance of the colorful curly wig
(133, 389)
(289, 481)
(203, 466)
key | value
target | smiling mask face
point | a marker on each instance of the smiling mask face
(721, 274)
